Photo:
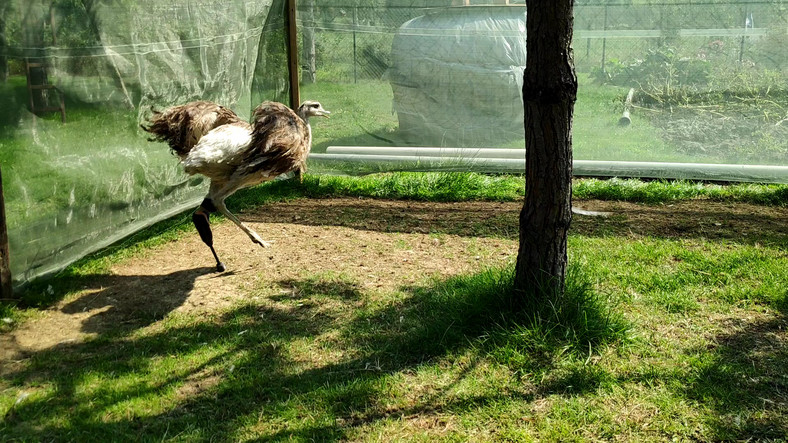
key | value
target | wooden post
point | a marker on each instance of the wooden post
(308, 55)
(292, 54)
(6, 286)
(52, 25)
(292, 63)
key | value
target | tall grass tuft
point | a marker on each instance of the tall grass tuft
(480, 310)
(428, 186)
(545, 323)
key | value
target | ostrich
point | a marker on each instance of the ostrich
(213, 141)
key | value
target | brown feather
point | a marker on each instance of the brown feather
(280, 141)
(181, 127)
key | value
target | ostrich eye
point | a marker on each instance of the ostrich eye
(314, 105)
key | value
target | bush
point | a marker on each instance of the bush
(662, 72)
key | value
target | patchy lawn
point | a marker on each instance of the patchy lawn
(326, 335)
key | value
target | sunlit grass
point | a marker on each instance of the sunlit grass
(640, 339)
(656, 339)
(661, 191)
(443, 186)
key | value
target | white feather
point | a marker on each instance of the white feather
(218, 146)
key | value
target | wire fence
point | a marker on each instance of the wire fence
(354, 42)
(713, 75)
(711, 80)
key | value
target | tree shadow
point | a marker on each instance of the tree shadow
(388, 216)
(745, 380)
(231, 372)
(704, 220)
(312, 287)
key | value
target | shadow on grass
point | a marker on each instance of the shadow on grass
(744, 379)
(134, 301)
(704, 220)
(248, 373)
(112, 305)
(475, 219)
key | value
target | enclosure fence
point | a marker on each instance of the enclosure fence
(703, 85)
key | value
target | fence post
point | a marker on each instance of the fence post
(292, 54)
(604, 41)
(6, 284)
(355, 25)
(747, 25)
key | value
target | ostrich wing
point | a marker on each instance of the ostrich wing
(219, 152)
(183, 126)
(280, 142)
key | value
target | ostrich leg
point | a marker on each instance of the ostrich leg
(203, 225)
(252, 235)
(215, 199)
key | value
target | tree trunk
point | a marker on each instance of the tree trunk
(549, 93)
(33, 26)
(93, 14)
(309, 68)
(3, 42)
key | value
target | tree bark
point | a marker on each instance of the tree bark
(33, 22)
(549, 94)
(3, 43)
(93, 13)
(309, 68)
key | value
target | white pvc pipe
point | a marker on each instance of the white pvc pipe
(692, 171)
(429, 152)
(422, 162)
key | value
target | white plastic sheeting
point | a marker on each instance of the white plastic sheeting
(710, 96)
(457, 76)
(73, 187)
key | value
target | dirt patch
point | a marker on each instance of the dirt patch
(377, 245)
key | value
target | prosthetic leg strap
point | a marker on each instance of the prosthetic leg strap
(203, 225)
(200, 220)
(208, 205)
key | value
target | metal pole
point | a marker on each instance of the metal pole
(6, 284)
(292, 54)
(355, 24)
(604, 41)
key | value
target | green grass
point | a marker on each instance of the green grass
(70, 179)
(436, 361)
(667, 191)
(438, 186)
(657, 338)
(465, 186)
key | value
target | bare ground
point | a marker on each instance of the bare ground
(383, 245)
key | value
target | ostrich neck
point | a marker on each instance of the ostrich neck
(305, 118)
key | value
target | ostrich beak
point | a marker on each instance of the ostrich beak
(324, 113)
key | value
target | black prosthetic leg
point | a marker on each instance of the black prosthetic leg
(201, 222)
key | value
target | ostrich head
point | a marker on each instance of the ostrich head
(311, 108)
